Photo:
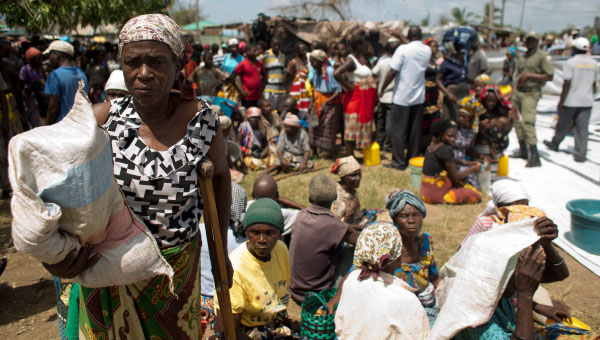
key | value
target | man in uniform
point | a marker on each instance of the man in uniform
(533, 70)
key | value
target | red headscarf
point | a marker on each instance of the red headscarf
(505, 104)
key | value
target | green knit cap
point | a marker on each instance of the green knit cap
(264, 210)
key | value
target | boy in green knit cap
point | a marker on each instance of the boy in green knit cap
(261, 278)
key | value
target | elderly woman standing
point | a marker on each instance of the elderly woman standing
(159, 137)
(375, 304)
(326, 104)
(359, 99)
(417, 265)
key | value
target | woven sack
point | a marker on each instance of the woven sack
(65, 196)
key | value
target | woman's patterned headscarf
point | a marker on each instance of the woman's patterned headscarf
(159, 27)
(345, 166)
(505, 104)
(377, 245)
(395, 201)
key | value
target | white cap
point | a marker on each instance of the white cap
(581, 43)
(217, 109)
(225, 122)
(233, 41)
(116, 81)
(60, 46)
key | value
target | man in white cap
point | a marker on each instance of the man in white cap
(115, 86)
(233, 58)
(580, 74)
(63, 82)
(533, 71)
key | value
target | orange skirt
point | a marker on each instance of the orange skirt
(440, 190)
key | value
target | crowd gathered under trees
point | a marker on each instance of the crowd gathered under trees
(284, 113)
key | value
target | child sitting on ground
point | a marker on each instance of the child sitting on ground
(293, 149)
(252, 138)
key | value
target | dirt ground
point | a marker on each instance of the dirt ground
(28, 299)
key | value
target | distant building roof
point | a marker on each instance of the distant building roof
(201, 25)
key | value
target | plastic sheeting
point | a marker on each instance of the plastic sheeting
(559, 180)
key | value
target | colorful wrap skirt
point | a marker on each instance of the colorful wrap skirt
(148, 309)
(441, 190)
(358, 107)
(323, 133)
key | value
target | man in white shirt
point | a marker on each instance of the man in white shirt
(408, 66)
(383, 124)
(580, 74)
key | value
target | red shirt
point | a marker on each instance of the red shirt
(251, 74)
(190, 67)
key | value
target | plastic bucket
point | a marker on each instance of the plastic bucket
(416, 169)
(585, 224)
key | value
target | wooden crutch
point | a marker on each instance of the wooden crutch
(215, 248)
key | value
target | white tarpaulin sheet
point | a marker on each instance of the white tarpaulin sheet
(559, 180)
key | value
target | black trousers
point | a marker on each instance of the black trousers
(407, 122)
(249, 103)
(383, 126)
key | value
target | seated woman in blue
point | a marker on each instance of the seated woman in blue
(417, 264)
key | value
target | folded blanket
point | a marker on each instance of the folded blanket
(65, 196)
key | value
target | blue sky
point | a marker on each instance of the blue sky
(540, 15)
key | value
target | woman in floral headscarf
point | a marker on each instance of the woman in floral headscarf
(159, 136)
(374, 304)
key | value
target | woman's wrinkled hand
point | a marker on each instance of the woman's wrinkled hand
(546, 229)
(529, 270)
(558, 313)
(74, 263)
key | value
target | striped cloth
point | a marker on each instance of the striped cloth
(275, 70)
(483, 223)
(218, 60)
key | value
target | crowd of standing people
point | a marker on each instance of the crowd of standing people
(169, 106)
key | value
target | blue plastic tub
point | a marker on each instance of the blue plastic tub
(585, 224)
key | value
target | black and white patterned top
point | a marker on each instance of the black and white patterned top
(161, 186)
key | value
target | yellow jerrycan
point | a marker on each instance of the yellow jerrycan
(372, 155)
(503, 166)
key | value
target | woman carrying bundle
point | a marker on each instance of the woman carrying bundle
(159, 136)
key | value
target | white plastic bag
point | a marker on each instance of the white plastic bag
(65, 196)
(474, 278)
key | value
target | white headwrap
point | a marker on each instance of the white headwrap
(116, 81)
(504, 191)
(507, 191)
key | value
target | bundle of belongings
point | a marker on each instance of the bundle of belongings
(65, 197)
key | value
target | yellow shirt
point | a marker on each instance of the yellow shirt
(260, 289)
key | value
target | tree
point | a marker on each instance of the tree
(185, 14)
(425, 21)
(461, 16)
(485, 18)
(38, 16)
(316, 8)
(443, 20)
